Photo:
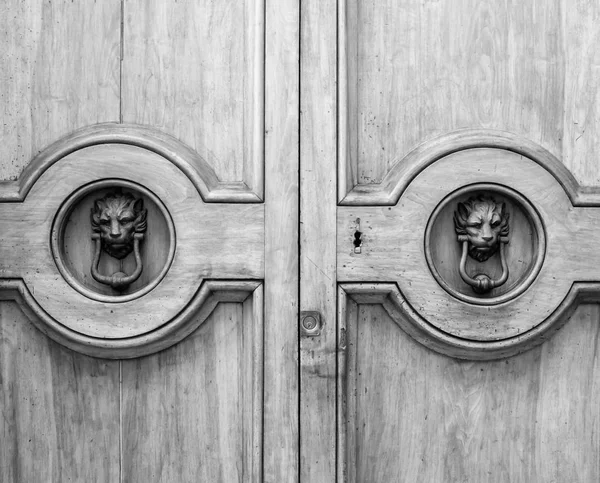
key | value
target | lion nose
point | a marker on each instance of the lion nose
(114, 230)
(487, 238)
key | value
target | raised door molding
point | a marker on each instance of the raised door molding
(197, 169)
(404, 170)
(204, 241)
(553, 259)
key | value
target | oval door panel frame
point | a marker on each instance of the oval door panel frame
(411, 246)
(51, 250)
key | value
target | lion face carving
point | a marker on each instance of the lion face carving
(483, 221)
(117, 218)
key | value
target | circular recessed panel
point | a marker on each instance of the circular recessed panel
(524, 251)
(74, 249)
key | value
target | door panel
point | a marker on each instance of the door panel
(272, 101)
(60, 71)
(196, 70)
(60, 409)
(410, 77)
(421, 69)
(202, 397)
(414, 415)
(214, 76)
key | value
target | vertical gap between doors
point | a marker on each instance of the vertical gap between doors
(299, 232)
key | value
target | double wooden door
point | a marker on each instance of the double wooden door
(303, 328)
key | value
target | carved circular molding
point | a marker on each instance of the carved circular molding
(412, 250)
(535, 198)
(73, 249)
(195, 241)
(525, 246)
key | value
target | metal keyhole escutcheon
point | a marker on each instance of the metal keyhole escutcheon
(310, 323)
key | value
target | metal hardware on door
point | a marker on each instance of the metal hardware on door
(310, 323)
(482, 227)
(119, 222)
(483, 268)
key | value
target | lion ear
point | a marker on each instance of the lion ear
(462, 211)
(504, 212)
(140, 224)
(94, 216)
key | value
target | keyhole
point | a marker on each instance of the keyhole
(357, 237)
(357, 240)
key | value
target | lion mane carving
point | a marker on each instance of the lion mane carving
(117, 218)
(483, 221)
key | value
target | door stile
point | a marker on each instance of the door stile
(280, 431)
(318, 200)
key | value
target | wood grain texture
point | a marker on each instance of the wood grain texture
(193, 412)
(205, 249)
(196, 168)
(59, 410)
(412, 415)
(209, 295)
(397, 179)
(199, 75)
(317, 228)
(416, 70)
(414, 324)
(581, 101)
(281, 432)
(59, 70)
(393, 239)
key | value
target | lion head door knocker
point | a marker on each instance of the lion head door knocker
(118, 224)
(482, 227)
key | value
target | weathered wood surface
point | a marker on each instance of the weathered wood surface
(408, 74)
(213, 241)
(418, 70)
(580, 36)
(59, 70)
(317, 228)
(193, 412)
(196, 71)
(281, 431)
(393, 251)
(59, 410)
(414, 415)
(171, 73)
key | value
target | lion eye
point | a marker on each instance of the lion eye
(495, 223)
(104, 221)
(476, 224)
(126, 220)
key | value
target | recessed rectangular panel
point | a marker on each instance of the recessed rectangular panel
(193, 412)
(59, 71)
(196, 71)
(410, 414)
(59, 410)
(413, 70)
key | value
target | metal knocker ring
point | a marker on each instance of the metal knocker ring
(119, 280)
(481, 283)
(118, 225)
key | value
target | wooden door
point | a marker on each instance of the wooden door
(192, 108)
(409, 109)
(300, 163)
